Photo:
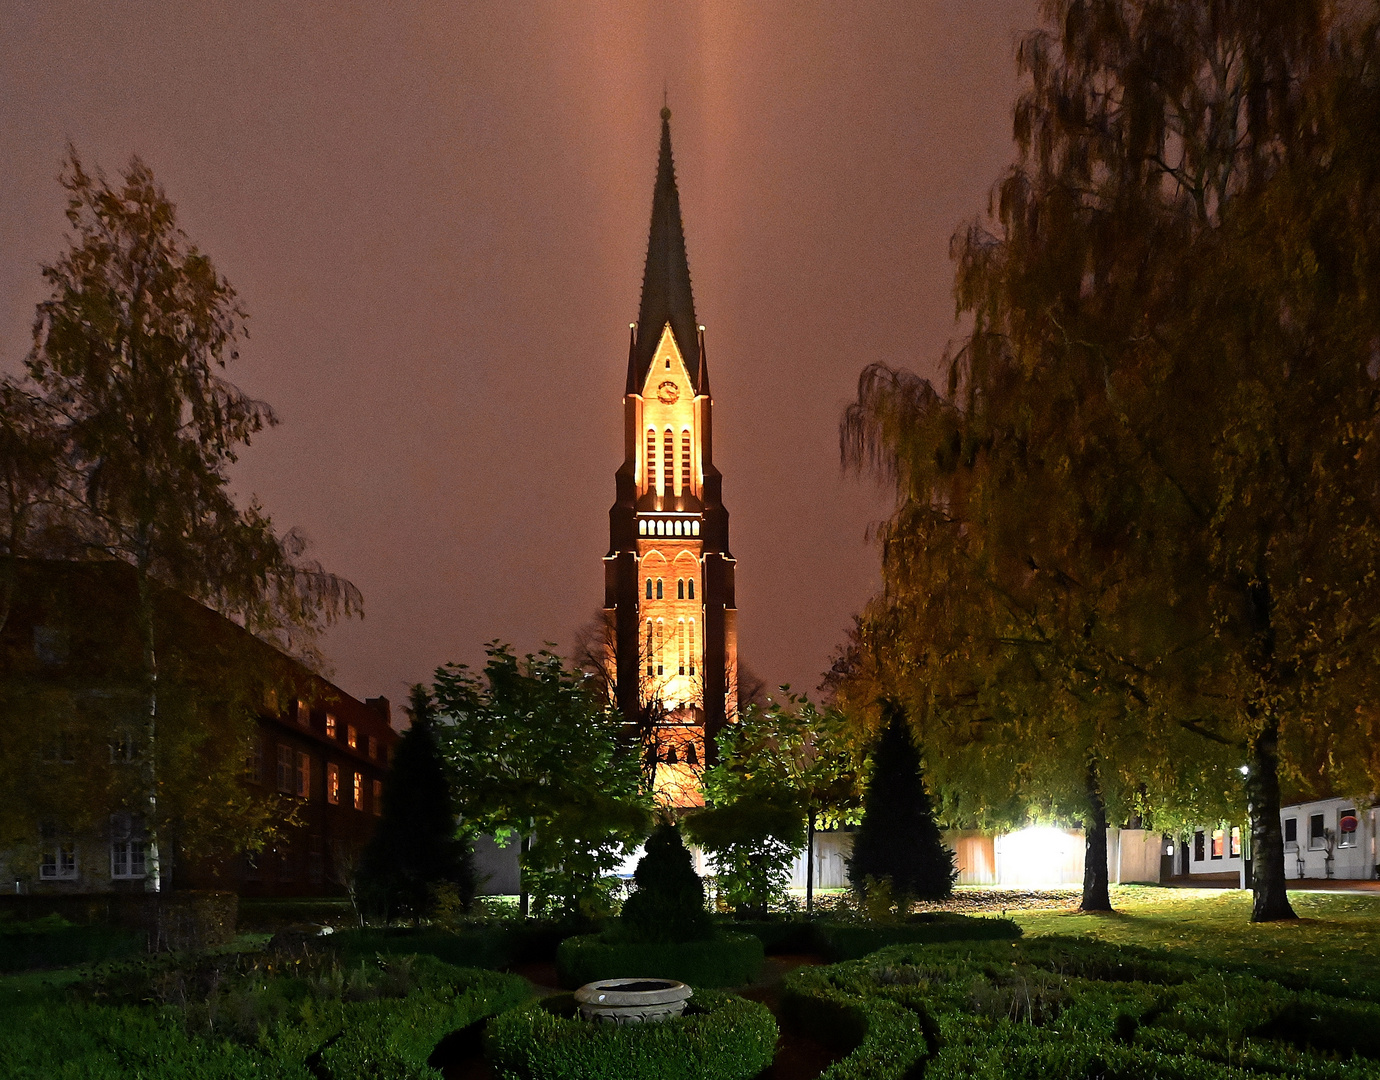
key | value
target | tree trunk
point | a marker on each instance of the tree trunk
(153, 866)
(810, 863)
(1096, 890)
(524, 900)
(1270, 897)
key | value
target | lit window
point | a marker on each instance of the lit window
(661, 528)
(359, 791)
(695, 528)
(303, 713)
(303, 776)
(642, 527)
(690, 587)
(377, 793)
(649, 588)
(1236, 841)
(330, 726)
(669, 461)
(333, 783)
(680, 588)
(59, 862)
(351, 736)
(680, 645)
(287, 782)
(678, 528)
(1317, 836)
(685, 461)
(692, 646)
(128, 859)
(1219, 843)
(648, 648)
(1346, 827)
(660, 590)
(659, 642)
(651, 458)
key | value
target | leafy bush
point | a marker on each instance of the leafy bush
(723, 960)
(495, 945)
(752, 842)
(669, 902)
(720, 1037)
(839, 940)
(53, 942)
(1064, 1007)
(249, 1016)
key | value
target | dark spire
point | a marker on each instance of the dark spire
(666, 296)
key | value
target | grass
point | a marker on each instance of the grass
(1336, 933)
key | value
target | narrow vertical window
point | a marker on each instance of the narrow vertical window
(685, 461)
(649, 588)
(330, 726)
(669, 462)
(690, 585)
(660, 641)
(303, 776)
(376, 794)
(680, 645)
(651, 459)
(333, 784)
(359, 791)
(648, 649)
(692, 646)
(680, 588)
(660, 590)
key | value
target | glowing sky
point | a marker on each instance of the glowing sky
(436, 214)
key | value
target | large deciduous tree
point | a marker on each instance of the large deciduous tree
(128, 354)
(535, 749)
(1162, 426)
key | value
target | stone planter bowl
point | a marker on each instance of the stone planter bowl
(632, 1001)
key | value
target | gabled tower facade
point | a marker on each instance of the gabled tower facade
(668, 576)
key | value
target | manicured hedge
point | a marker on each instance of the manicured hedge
(493, 946)
(1076, 1008)
(267, 1023)
(726, 959)
(720, 1037)
(841, 940)
(67, 946)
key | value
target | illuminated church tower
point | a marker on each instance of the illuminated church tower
(668, 576)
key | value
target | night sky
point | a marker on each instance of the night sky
(436, 214)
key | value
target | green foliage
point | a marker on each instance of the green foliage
(752, 842)
(414, 848)
(721, 1037)
(52, 942)
(898, 840)
(531, 748)
(1055, 1007)
(233, 1016)
(839, 940)
(669, 902)
(726, 959)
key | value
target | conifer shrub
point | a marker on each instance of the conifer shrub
(898, 841)
(668, 905)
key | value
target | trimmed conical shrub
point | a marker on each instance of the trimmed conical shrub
(899, 840)
(668, 905)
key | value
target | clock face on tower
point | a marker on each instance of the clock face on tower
(668, 393)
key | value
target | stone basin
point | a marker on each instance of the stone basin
(632, 1001)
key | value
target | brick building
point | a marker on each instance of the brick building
(306, 756)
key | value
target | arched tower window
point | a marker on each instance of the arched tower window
(680, 645)
(690, 584)
(659, 590)
(651, 459)
(660, 641)
(680, 588)
(649, 588)
(648, 647)
(669, 461)
(692, 646)
(685, 460)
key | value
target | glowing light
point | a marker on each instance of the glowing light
(1245, 770)
(1037, 855)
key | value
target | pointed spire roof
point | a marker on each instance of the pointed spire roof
(666, 296)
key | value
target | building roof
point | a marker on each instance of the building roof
(666, 295)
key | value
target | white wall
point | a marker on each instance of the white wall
(1305, 858)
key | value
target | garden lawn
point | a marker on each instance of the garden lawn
(1336, 934)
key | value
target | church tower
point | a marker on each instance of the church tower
(668, 576)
